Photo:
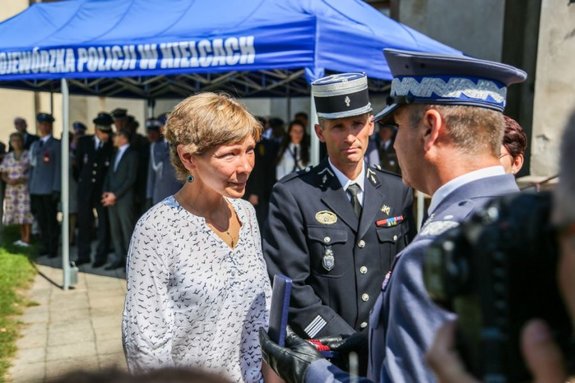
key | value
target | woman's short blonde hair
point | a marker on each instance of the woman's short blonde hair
(205, 121)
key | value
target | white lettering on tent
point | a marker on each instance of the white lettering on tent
(82, 59)
(219, 52)
(131, 58)
(148, 56)
(205, 48)
(232, 45)
(247, 49)
(207, 53)
(116, 57)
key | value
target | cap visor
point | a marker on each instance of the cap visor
(387, 113)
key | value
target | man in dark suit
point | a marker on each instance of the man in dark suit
(335, 229)
(44, 184)
(94, 155)
(118, 196)
(22, 127)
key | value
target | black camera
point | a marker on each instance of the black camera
(496, 271)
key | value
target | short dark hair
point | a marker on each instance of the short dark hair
(514, 138)
(126, 133)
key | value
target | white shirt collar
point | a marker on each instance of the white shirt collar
(45, 138)
(344, 181)
(123, 148)
(457, 182)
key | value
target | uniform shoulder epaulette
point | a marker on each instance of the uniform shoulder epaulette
(382, 170)
(293, 175)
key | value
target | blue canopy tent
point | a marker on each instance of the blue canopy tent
(173, 48)
(257, 47)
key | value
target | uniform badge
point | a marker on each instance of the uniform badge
(326, 217)
(328, 260)
(324, 179)
(386, 209)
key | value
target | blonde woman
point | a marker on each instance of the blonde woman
(198, 289)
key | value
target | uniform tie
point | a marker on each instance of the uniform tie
(295, 159)
(353, 191)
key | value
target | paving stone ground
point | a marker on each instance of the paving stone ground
(67, 330)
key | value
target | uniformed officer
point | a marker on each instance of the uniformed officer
(162, 180)
(44, 184)
(448, 112)
(94, 154)
(335, 228)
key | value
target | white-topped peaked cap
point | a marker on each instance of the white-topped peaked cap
(424, 78)
(341, 95)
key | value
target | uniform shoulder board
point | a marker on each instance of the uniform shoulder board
(379, 169)
(296, 174)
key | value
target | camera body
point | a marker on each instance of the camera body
(496, 271)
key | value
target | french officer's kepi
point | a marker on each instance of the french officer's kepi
(341, 95)
(424, 78)
(44, 117)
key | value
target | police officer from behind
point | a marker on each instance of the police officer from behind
(161, 180)
(44, 184)
(94, 155)
(335, 228)
(448, 112)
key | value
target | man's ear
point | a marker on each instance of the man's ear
(186, 157)
(319, 132)
(517, 163)
(433, 125)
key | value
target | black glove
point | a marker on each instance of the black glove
(344, 344)
(289, 362)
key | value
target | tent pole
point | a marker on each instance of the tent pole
(65, 148)
(314, 153)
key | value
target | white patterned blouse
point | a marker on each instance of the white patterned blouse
(192, 300)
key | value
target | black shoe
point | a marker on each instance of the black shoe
(98, 263)
(82, 261)
(115, 265)
(52, 255)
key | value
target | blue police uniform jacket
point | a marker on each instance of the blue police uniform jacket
(404, 319)
(162, 181)
(336, 261)
(45, 172)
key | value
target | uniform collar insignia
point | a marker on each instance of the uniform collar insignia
(325, 171)
(371, 177)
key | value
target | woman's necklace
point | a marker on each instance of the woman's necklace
(227, 235)
(228, 232)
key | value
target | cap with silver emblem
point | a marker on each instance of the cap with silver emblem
(341, 95)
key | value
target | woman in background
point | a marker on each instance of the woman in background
(513, 148)
(14, 169)
(293, 154)
(198, 289)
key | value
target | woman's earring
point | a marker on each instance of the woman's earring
(190, 178)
